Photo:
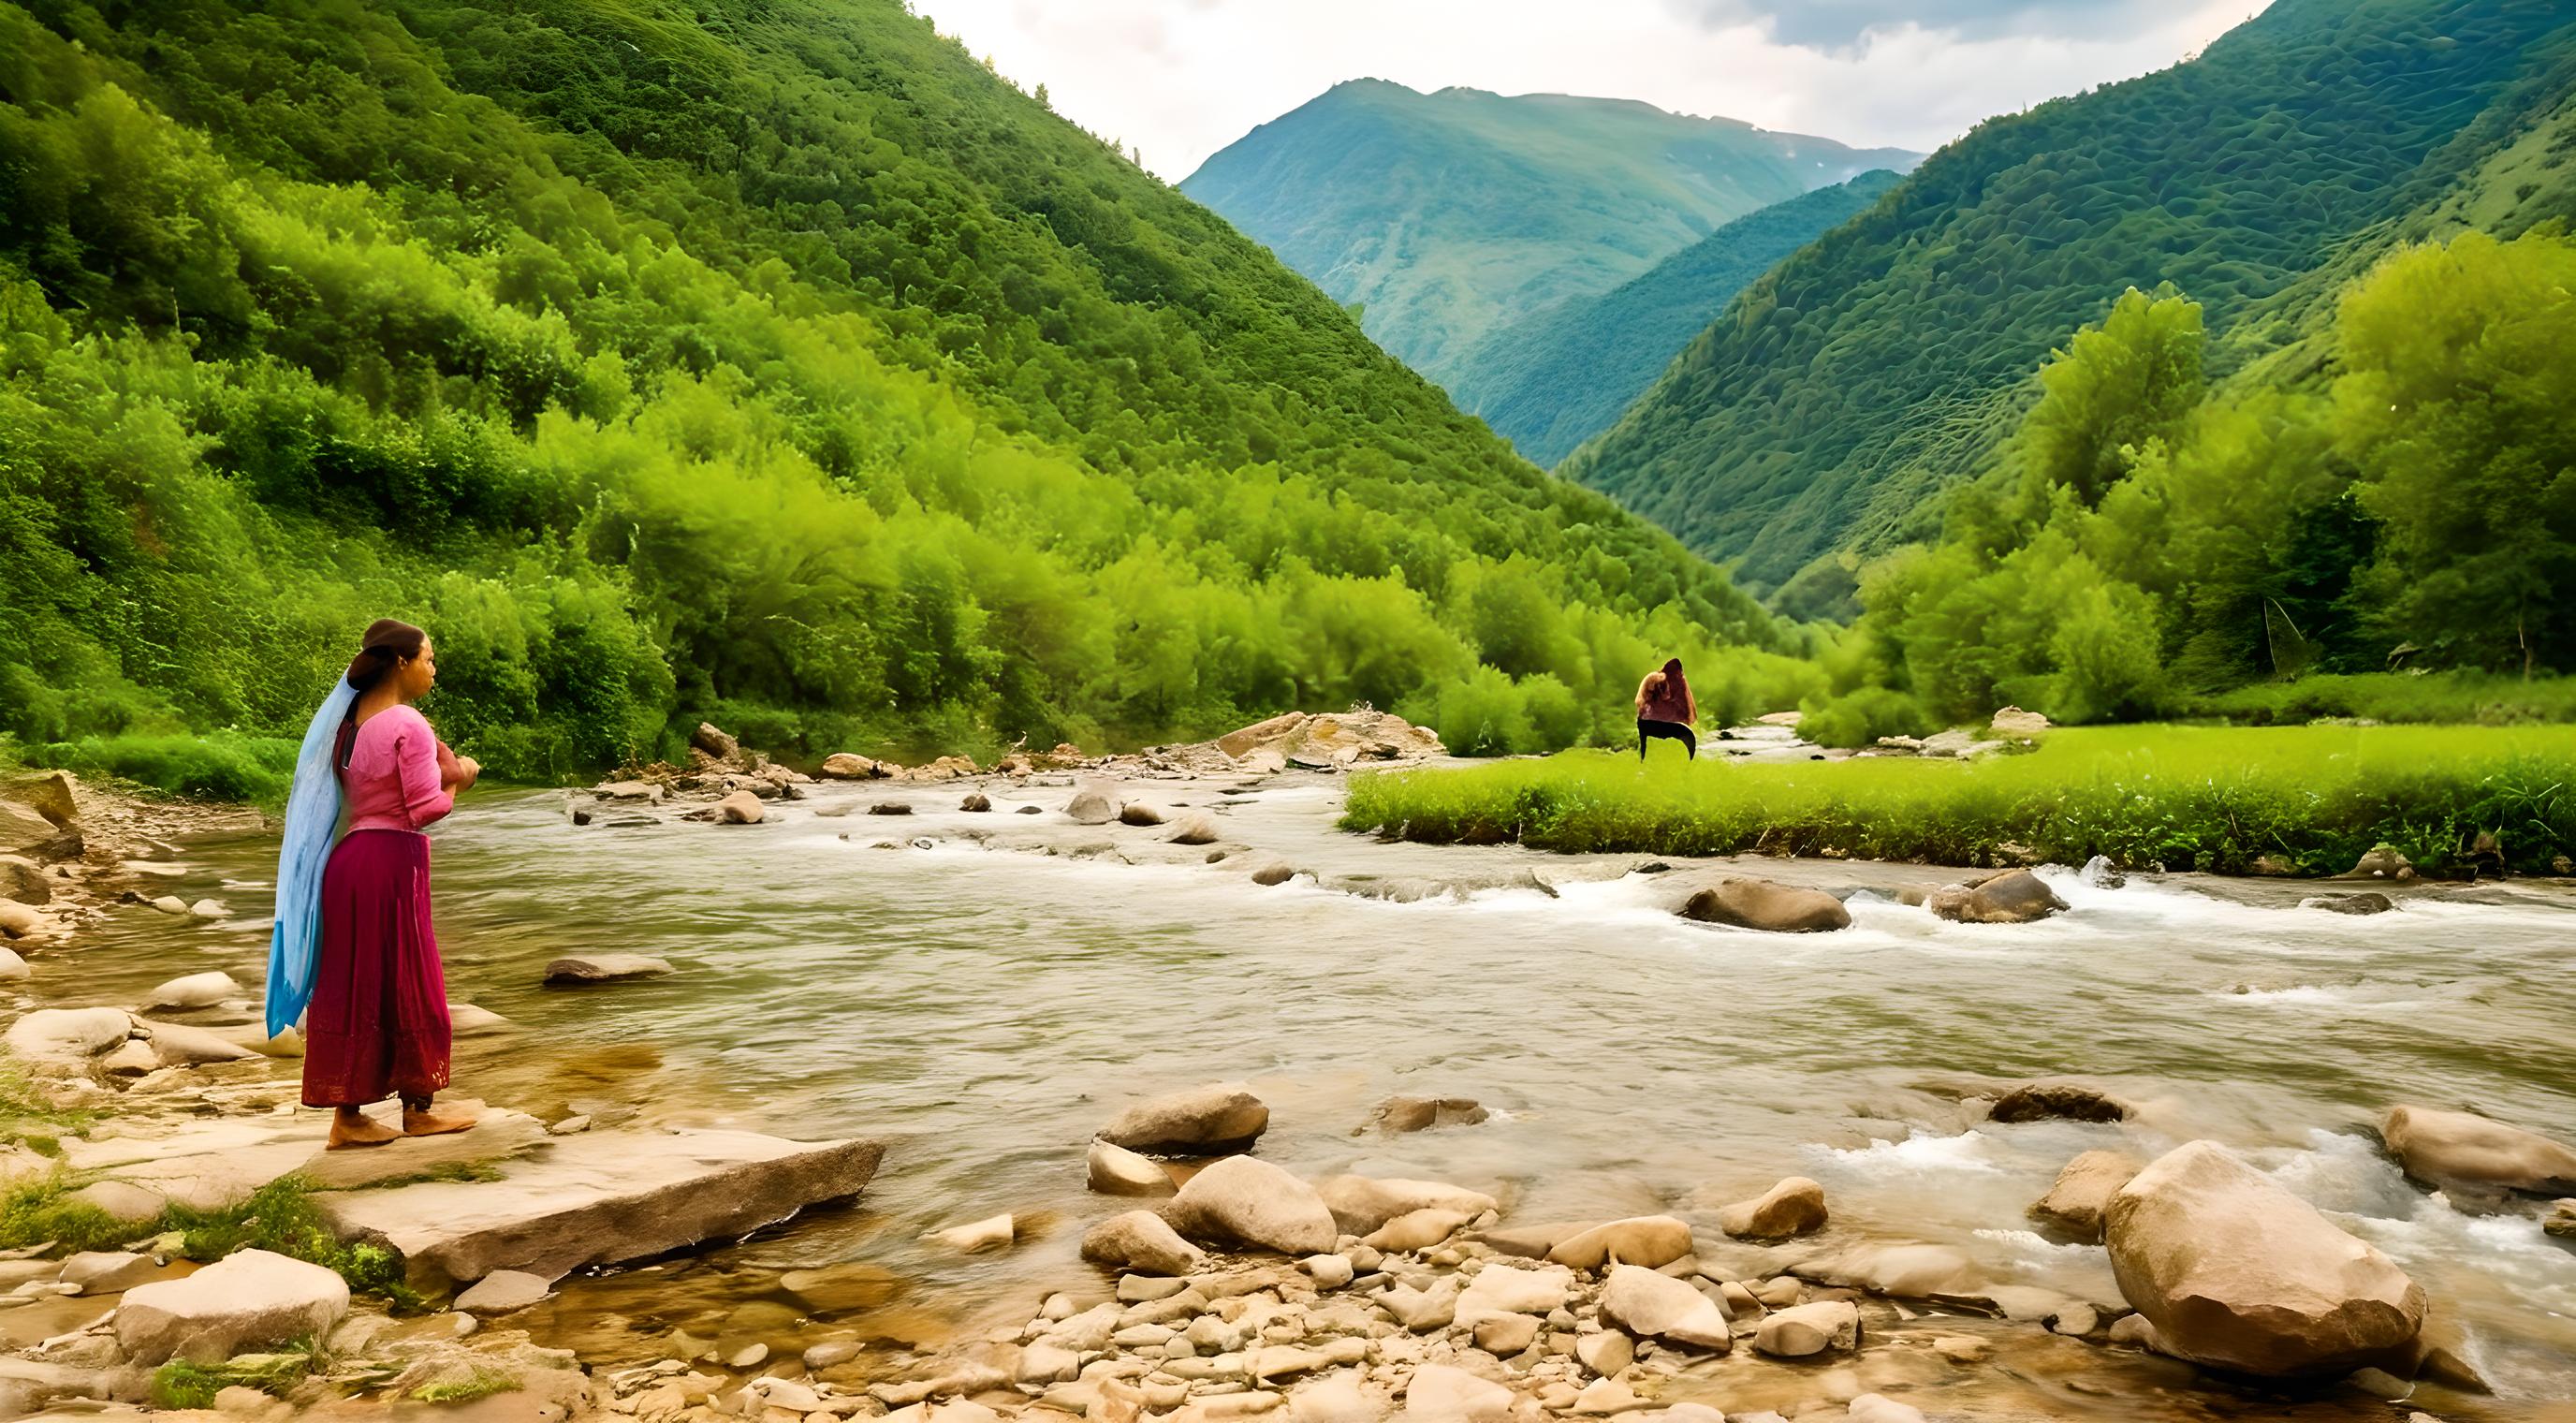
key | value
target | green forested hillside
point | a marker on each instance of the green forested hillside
(1554, 379)
(767, 359)
(1447, 215)
(1893, 356)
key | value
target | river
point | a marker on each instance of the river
(981, 1005)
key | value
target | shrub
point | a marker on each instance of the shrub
(1860, 718)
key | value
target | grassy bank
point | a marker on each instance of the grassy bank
(2200, 798)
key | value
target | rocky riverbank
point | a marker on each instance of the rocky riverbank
(1219, 1284)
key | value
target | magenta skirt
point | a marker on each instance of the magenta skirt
(378, 1023)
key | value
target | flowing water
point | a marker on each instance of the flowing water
(982, 1004)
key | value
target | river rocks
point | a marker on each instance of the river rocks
(605, 968)
(715, 743)
(23, 881)
(1141, 1242)
(1136, 812)
(1416, 1230)
(739, 808)
(2561, 1220)
(503, 1291)
(2013, 897)
(1438, 1393)
(1650, 1305)
(1361, 1204)
(1092, 804)
(1194, 829)
(1651, 1241)
(107, 1272)
(974, 1237)
(1248, 1201)
(847, 766)
(1412, 1114)
(1805, 1329)
(17, 920)
(1273, 872)
(1606, 1353)
(2381, 862)
(1878, 1407)
(2454, 1149)
(1203, 1121)
(2060, 1099)
(170, 904)
(68, 1036)
(1512, 1289)
(1760, 904)
(2237, 1273)
(2013, 721)
(2367, 902)
(250, 1297)
(177, 1045)
(975, 803)
(2083, 1188)
(1796, 1206)
(196, 990)
(603, 1197)
(1113, 1170)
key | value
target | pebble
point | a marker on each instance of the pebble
(830, 1353)
(1960, 1349)
(1329, 1271)
(750, 1357)
(1144, 1289)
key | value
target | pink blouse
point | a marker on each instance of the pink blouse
(393, 778)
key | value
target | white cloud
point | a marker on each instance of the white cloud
(1181, 79)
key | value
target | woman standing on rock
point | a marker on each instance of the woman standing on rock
(1665, 708)
(353, 934)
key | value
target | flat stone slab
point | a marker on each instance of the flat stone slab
(219, 1162)
(601, 1198)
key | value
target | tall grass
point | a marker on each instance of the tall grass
(2203, 798)
(2480, 698)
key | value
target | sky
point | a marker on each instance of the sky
(1180, 79)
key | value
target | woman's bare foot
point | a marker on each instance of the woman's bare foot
(417, 1122)
(353, 1128)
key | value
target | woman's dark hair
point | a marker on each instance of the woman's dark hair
(386, 644)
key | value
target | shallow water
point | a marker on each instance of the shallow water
(983, 1007)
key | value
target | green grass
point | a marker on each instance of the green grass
(180, 1384)
(2482, 699)
(223, 766)
(2203, 798)
(483, 1384)
(279, 1217)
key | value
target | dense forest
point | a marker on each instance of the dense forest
(1447, 215)
(1836, 395)
(762, 359)
(1556, 378)
(2149, 537)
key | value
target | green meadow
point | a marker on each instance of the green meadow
(2189, 798)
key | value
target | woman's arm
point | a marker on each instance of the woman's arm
(1644, 685)
(424, 792)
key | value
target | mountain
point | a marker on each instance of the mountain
(1554, 379)
(1446, 215)
(765, 359)
(1839, 392)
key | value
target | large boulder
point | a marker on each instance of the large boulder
(605, 968)
(1653, 1241)
(2013, 721)
(1796, 1206)
(714, 742)
(1247, 1201)
(1142, 1243)
(2013, 897)
(23, 880)
(250, 1297)
(1241, 743)
(50, 794)
(2454, 1149)
(196, 990)
(63, 1036)
(1651, 1305)
(601, 1197)
(1760, 904)
(18, 920)
(2237, 1273)
(740, 808)
(1093, 804)
(1361, 1204)
(1203, 1121)
(848, 766)
(2083, 1189)
(1115, 1171)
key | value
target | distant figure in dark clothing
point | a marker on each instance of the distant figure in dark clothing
(1665, 708)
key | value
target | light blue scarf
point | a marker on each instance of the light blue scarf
(312, 817)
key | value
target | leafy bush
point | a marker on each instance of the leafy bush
(2467, 698)
(1860, 718)
(220, 766)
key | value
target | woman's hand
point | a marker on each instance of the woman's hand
(467, 770)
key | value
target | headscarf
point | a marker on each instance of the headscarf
(1676, 688)
(312, 817)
